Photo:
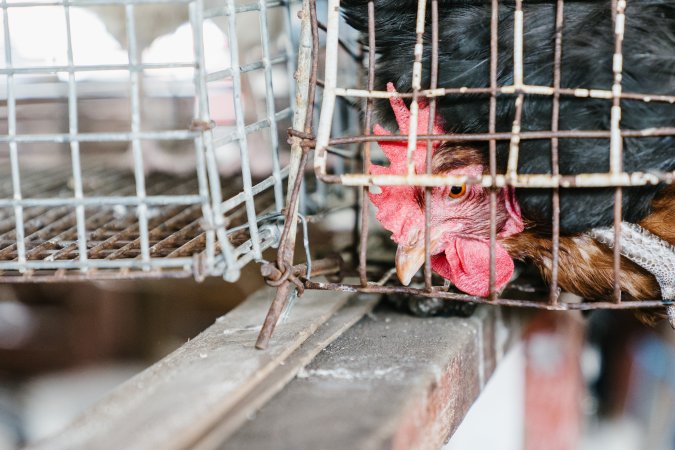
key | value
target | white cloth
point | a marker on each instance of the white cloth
(648, 251)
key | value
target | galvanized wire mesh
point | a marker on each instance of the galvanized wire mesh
(85, 200)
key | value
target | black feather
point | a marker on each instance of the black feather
(588, 47)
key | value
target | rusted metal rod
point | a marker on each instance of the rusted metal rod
(510, 90)
(273, 314)
(501, 136)
(368, 118)
(306, 83)
(438, 292)
(492, 144)
(555, 161)
(325, 141)
(616, 140)
(325, 266)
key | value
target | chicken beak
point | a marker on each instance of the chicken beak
(409, 259)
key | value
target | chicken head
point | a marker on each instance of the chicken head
(460, 215)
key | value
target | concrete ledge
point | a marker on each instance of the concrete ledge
(392, 381)
(209, 382)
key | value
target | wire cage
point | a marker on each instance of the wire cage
(88, 143)
(90, 129)
(356, 153)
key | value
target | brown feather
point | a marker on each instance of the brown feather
(586, 267)
(661, 221)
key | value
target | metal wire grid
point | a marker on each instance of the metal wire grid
(284, 274)
(242, 130)
(175, 232)
(166, 224)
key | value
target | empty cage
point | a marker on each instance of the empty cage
(147, 140)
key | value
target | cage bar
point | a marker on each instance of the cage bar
(430, 126)
(367, 124)
(13, 148)
(492, 143)
(555, 165)
(269, 103)
(74, 145)
(139, 175)
(239, 118)
(616, 140)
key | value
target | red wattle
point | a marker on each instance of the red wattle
(466, 262)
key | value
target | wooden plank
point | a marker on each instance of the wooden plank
(390, 382)
(354, 310)
(177, 401)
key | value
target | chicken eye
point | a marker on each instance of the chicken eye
(457, 191)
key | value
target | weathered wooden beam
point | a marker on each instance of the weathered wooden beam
(246, 408)
(390, 382)
(214, 380)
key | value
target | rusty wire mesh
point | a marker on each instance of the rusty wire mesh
(616, 177)
(330, 142)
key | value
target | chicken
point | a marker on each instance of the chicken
(460, 214)
(587, 55)
(460, 227)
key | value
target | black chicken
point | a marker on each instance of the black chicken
(587, 50)
(587, 54)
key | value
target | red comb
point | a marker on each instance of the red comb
(396, 204)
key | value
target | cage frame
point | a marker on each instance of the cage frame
(209, 250)
(285, 273)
